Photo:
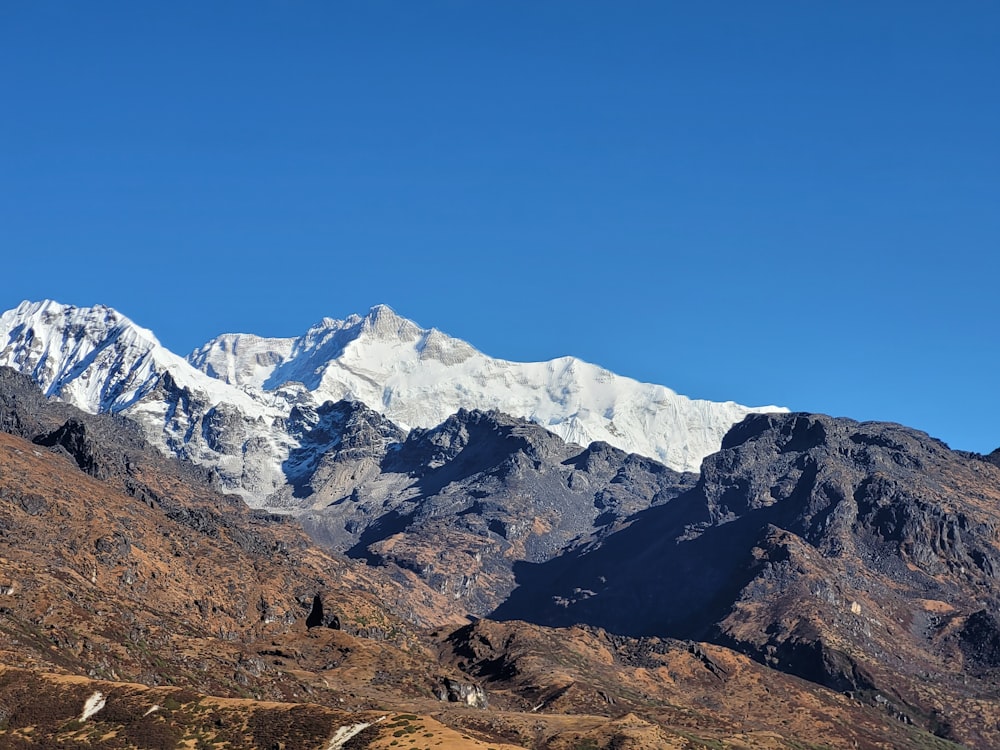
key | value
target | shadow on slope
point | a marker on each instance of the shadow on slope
(663, 575)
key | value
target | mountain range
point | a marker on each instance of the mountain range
(247, 407)
(813, 581)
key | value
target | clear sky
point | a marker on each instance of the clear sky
(769, 202)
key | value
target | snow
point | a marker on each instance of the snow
(96, 358)
(418, 377)
(227, 405)
(100, 361)
(345, 733)
(92, 705)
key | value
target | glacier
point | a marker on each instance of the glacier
(241, 403)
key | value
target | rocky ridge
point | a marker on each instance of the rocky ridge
(463, 503)
(860, 556)
(817, 556)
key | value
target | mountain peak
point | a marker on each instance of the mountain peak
(69, 351)
(382, 310)
(92, 322)
(382, 322)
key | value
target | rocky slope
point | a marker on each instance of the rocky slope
(98, 527)
(665, 693)
(463, 503)
(840, 573)
(859, 556)
(248, 407)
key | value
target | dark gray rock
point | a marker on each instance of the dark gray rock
(224, 429)
(842, 552)
(455, 691)
(340, 444)
(462, 503)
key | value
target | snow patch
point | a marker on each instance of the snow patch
(92, 705)
(345, 733)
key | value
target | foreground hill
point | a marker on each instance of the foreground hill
(48, 711)
(133, 568)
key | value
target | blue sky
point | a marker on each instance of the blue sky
(769, 202)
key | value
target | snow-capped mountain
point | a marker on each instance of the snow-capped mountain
(241, 403)
(100, 361)
(419, 377)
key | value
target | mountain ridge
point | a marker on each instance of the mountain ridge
(228, 405)
(862, 556)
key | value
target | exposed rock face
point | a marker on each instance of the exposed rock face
(459, 505)
(320, 617)
(859, 556)
(456, 691)
(340, 446)
(993, 457)
(25, 412)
